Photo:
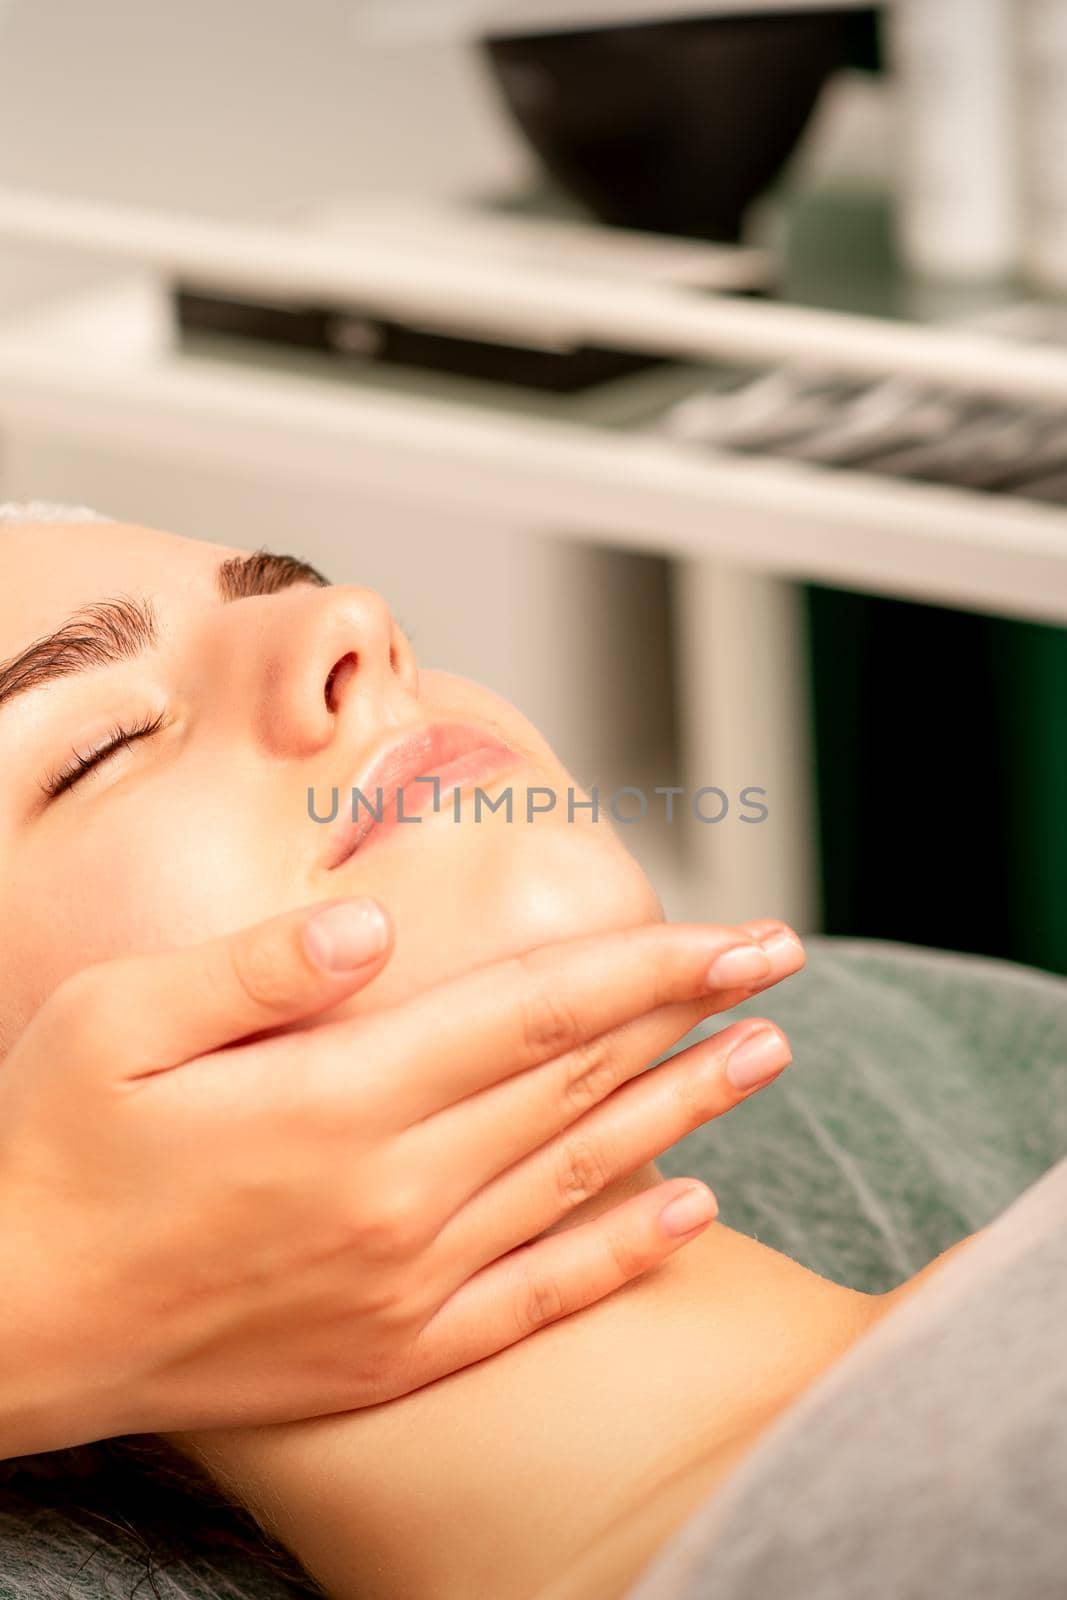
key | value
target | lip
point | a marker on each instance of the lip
(456, 753)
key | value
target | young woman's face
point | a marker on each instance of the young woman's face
(271, 687)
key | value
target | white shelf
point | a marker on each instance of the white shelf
(389, 271)
(104, 365)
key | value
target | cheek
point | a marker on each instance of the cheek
(136, 878)
(523, 884)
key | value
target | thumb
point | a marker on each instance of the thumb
(181, 1003)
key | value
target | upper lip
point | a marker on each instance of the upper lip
(419, 752)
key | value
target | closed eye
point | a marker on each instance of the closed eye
(79, 764)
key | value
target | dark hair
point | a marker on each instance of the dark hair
(131, 1517)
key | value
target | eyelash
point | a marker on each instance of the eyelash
(118, 737)
(66, 777)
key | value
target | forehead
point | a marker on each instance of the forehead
(48, 570)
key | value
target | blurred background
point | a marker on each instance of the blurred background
(693, 375)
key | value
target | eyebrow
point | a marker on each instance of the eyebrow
(120, 629)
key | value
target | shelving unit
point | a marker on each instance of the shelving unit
(104, 367)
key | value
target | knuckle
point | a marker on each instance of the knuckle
(591, 1073)
(693, 1091)
(582, 1173)
(626, 1257)
(81, 1012)
(261, 975)
(666, 967)
(422, 1299)
(658, 961)
(541, 1302)
(393, 1227)
(383, 1374)
(69, 999)
(550, 1024)
(388, 1300)
(702, 1091)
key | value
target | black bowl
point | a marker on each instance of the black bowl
(670, 126)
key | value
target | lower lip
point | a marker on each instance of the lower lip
(473, 766)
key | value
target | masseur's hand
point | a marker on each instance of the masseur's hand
(211, 1214)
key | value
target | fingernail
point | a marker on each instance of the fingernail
(346, 935)
(742, 963)
(784, 949)
(689, 1211)
(758, 1058)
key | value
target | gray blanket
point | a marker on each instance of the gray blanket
(932, 1460)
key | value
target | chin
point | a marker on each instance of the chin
(570, 882)
(504, 892)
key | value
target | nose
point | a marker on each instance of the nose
(337, 662)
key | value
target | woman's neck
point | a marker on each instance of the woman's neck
(598, 1433)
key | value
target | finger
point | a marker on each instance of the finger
(181, 1003)
(538, 1284)
(637, 1124)
(467, 1145)
(475, 1030)
(776, 938)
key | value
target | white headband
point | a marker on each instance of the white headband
(12, 511)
